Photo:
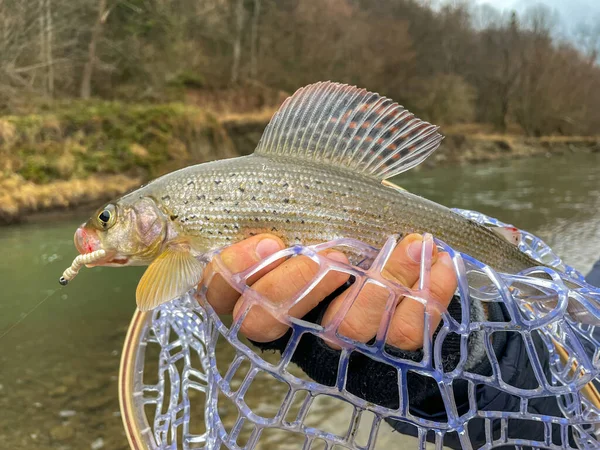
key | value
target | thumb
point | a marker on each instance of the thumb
(237, 258)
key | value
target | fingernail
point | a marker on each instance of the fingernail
(414, 250)
(446, 260)
(267, 247)
(337, 256)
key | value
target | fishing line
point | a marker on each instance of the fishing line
(68, 275)
(29, 312)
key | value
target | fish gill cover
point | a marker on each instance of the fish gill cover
(174, 393)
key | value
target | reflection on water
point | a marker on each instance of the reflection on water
(58, 368)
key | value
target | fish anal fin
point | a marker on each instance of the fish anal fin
(349, 128)
(174, 272)
(510, 234)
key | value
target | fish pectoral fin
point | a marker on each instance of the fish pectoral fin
(510, 234)
(171, 275)
(338, 125)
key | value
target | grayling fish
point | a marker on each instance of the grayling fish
(317, 174)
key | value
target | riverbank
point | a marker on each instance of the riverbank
(89, 152)
(470, 149)
(86, 153)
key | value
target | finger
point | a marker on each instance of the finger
(364, 317)
(237, 258)
(404, 264)
(282, 284)
(408, 322)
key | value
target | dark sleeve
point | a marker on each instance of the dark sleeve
(371, 380)
(593, 277)
(516, 369)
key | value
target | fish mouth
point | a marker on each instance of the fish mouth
(87, 241)
(111, 261)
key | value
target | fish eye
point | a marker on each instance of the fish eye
(106, 216)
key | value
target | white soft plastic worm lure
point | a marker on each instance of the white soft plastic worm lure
(78, 263)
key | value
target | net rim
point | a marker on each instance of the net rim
(135, 422)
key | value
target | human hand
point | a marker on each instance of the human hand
(284, 278)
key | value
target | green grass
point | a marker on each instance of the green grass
(78, 139)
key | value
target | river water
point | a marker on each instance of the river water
(58, 367)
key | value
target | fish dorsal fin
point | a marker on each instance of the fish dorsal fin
(349, 128)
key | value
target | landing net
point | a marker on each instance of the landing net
(190, 380)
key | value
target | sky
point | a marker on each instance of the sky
(571, 12)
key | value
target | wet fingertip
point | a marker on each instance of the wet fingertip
(229, 257)
(332, 345)
(414, 250)
(412, 237)
(445, 259)
(337, 256)
(268, 246)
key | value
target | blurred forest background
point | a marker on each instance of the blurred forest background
(139, 87)
(452, 64)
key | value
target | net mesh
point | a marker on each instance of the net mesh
(211, 389)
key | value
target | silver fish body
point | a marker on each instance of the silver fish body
(224, 201)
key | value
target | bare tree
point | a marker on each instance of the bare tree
(510, 70)
(49, 40)
(503, 69)
(254, 40)
(588, 37)
(237, 41)
(43, 44)
(88, 68)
